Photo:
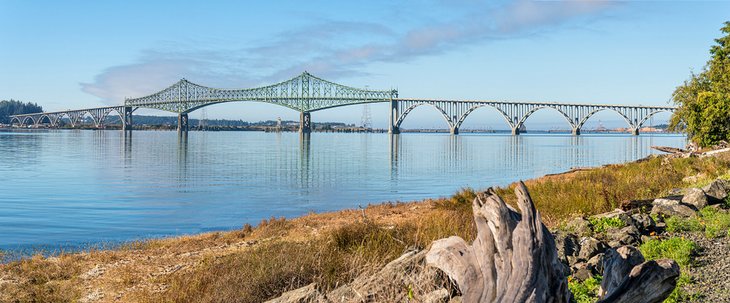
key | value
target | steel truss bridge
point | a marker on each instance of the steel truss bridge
(307, 93)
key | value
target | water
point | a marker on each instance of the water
(70, 188)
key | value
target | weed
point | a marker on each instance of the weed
(713, 222)
(675, 248)
(585, 291)
(601, 225)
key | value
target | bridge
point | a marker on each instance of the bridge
(306, 94)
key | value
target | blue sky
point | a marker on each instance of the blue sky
(74, 54)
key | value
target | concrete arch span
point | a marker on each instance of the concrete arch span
(589, 115)
(524, 117)
(475, 107)
(405, 113)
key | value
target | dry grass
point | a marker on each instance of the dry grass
(254, 264)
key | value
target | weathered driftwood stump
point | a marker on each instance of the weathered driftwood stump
(514, 259)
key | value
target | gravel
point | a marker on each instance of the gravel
(711, 271)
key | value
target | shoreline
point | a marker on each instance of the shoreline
(334, 246)
(50, 250)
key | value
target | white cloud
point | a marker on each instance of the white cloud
(335, 49)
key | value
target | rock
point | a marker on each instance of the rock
(581, 271)
(595, 264)
(579, 226)
(628, 205)
(695, 197)
(716, 191)
(590, 247)
(672, 210)
(670, 200)
(567, 245)
(305, 294)
(611, 214)
(645, 223)
(628, 235)
(409, 270)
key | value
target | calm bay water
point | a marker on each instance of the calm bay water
(72, 188)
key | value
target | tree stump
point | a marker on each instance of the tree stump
(514, 259)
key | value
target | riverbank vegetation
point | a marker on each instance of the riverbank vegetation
(331, 249)
(704, 99)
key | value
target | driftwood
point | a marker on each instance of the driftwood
(669, 149)
(514, 259)
(628, 279)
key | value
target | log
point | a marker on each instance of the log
(514, 259)
(669, 149)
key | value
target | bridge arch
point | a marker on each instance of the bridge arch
(47, 117)
(14, 119)
(537, 108)
(643, 120)
(60, 116)
(106, 113)
(589, 115)
(405, 112)
(82, 115)
(475, 107)
(25, 119)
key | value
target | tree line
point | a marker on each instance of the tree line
(15, 107)
(704, 99)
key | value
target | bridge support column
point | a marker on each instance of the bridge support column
(635, 131)
(393, 118)
(454, 130)
(576, 131)
(305, 122)
(127, 123)
(182, 122)
(515, 131)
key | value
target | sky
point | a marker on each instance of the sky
(78, 54)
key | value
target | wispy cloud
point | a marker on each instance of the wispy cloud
(337, 48)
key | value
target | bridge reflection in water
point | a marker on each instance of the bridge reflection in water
(109, 185)
(446, 155)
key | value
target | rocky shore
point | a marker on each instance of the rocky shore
(582, 244)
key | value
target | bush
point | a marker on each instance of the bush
(585, 291)
(675, 248)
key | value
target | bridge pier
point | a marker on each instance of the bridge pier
(576, 131)
(305, 122)
(127, 123)
(515, 131)
(454, 130)
(635, 131)
(182, 123)
(393, 118)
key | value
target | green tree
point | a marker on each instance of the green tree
(704, 100)
(14, 107)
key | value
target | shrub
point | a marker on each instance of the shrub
(585, 291)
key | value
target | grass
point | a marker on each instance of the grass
(585, 291)
(603, 189)
(678, 249)
(713, 222)
(601, 225)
